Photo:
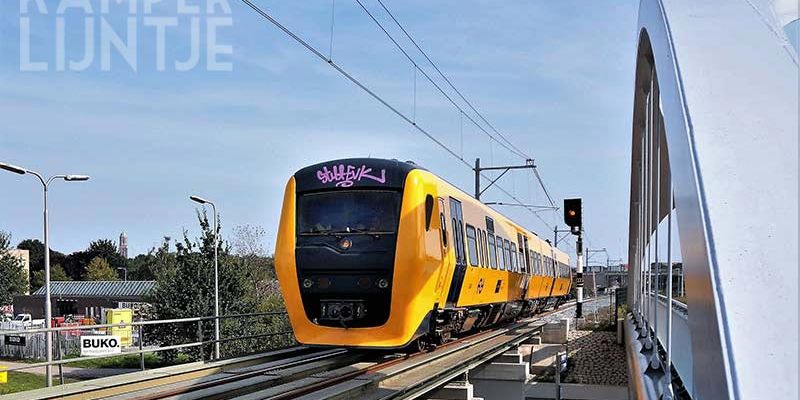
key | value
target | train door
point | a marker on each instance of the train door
(551, 265)
(444, 270)
(457, 219)
(527, 273)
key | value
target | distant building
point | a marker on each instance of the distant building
(123, 244)
(24, 257)
(598, 278)
(87, 298)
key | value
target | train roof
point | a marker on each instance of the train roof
(372, 173)
(354, 172)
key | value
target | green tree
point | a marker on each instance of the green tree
(252, 258)
(100, 270)
(36, 258)
(76, 263)
(140, 268)
(185, 288)
(13, 281)
(56, 274)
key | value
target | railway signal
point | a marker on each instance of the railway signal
(573, 217)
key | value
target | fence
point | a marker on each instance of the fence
(620, 299)
(68, 343)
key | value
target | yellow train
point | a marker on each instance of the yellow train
(384, 254)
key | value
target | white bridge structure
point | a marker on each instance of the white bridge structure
(714, 186)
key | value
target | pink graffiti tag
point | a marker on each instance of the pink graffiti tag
(347, 176)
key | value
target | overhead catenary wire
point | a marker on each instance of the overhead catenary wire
(428, 77)
(446, 79)
(516, 150)
(380, 99)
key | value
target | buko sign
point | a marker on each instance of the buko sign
(100, 345)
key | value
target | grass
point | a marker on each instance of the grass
(22, 381)
(151, 360)
(19, 360)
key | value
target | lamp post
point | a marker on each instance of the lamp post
(48, 312)
(198, 199)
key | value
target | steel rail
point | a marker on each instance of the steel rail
(295, 361)
(530, 328)
(143, 380)
(441, 377)
(445, 350)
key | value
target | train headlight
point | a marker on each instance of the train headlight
(383, 283)
(308, 283)
(345, 244)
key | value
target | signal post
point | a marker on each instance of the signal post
(573, 218)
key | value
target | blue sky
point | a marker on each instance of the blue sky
(555, 77)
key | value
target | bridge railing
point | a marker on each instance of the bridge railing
(713, 203)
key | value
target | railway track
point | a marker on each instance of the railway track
(313, 373)
(339, 373)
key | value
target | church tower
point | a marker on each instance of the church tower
(123, 244)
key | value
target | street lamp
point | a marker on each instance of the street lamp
(198, 199)
(48, 312)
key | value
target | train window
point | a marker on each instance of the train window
(443, 222)
(478, 249)
(481, 249)
(532, 256)
(501, 254)
(507, 254)
(472, 246)
(371, 211)
(484, 250)
(428, 212)
(526, 255)
(492, 252)
(514, 260)
(538, 263)
(456, 241)
(489, 224)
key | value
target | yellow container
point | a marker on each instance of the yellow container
(121, 315)
(3, 374)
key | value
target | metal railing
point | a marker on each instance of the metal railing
(141, 326)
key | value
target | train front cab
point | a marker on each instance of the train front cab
(416, 277)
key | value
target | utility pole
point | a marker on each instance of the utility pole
(478, 169)
(556, 231)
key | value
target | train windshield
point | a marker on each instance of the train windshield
(356, 211)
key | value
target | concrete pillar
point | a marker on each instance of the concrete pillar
(504, 378)
(556, 332)
(456, 390)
